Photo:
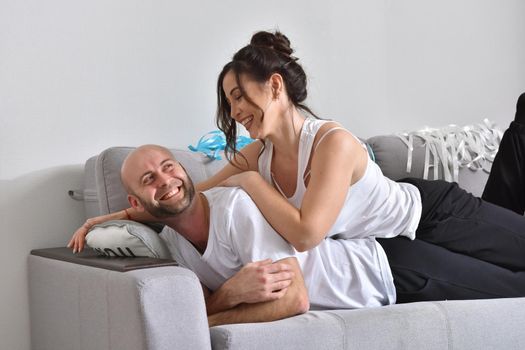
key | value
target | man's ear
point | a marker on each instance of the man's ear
(135, 203)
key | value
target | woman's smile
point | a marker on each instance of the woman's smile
(247, 122)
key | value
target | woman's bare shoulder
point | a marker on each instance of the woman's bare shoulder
(339, 134)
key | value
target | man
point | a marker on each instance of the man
(223, 238)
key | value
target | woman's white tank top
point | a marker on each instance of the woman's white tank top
(375, 206)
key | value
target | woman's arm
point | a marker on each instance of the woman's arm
(249, 162)
(337, 160)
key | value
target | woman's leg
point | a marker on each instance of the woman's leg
(456, 220)
(423, 271)
(506, 183)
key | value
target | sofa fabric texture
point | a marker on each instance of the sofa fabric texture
(426, 325)
(85, 308)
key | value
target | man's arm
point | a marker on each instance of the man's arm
(256, 282)
(294, 301)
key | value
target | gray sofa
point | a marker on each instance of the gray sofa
(89, 302)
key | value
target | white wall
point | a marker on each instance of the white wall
(79, 76)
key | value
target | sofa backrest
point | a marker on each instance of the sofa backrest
(391, 154)
(104, 192)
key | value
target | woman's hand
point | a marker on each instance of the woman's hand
(242, 180)
(78, 240)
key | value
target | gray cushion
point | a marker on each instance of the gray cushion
(386, 327)
(126, 238)
(468, 324)
(391, 154)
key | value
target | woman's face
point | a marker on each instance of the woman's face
(244, 112)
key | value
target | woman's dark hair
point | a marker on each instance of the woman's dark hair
(267, 53)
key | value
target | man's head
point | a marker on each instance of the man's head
(156, 182)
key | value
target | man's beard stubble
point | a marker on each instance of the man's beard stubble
(161, 211)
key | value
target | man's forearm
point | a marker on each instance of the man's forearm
(261, 312)
(220, 300)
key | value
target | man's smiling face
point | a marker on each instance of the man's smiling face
(156, 182)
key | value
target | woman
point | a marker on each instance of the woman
(296, 174)
(308, 161)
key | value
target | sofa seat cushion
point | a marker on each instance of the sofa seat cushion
(409, 326)
(468, 324)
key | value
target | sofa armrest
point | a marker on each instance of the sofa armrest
(81, 307)
(90, 257)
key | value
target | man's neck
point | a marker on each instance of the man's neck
(193, 224)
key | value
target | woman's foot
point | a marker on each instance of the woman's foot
(520, 110)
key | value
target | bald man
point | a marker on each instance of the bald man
(159, 185)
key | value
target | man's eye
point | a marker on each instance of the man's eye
(147, 180)
(168, 166)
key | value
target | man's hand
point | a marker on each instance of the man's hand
(78, 240)
(294, 301)
(260, 281)
(76, 243)
(256, 282)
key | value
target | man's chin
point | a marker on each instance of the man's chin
(173, 206)
(163, 211)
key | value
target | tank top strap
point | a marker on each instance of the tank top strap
(322, 138)
(306, 142)
(328, 133)
(265, 161)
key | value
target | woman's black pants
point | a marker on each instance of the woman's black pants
(467, 247)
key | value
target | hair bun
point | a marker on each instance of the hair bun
(276, 41)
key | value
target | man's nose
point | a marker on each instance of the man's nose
(164, 179)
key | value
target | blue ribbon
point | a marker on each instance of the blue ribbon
(212, 143)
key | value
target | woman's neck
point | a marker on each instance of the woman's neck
(286, 137)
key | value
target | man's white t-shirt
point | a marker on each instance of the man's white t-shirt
(338, 273)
